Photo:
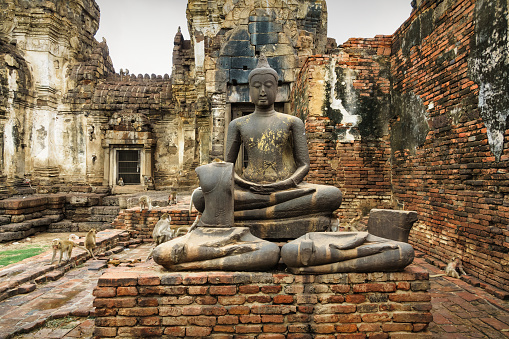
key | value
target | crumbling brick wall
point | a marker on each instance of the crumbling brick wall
(449, 132)
(343, 99)
(144, 302)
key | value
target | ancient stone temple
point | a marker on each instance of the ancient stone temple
(68, 118)
(416, 120)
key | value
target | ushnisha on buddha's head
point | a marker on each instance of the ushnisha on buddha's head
(263, 82)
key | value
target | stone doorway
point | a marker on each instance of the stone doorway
(128, 166)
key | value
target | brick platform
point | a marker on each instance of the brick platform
(142, 302)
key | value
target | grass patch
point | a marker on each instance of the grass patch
(8, 257)
(64, 323)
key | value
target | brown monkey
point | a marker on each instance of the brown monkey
(455, 268)
(90, 242)
(162, 232)
(62, 246)
(172, 198)
(180, 231)
(145, 203)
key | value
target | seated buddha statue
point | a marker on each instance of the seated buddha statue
(270, 196)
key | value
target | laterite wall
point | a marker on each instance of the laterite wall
(351, 156)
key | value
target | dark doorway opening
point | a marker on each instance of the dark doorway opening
(128, 164)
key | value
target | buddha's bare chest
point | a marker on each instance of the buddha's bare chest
(266, 138)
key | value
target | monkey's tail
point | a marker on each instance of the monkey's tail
(79, 246)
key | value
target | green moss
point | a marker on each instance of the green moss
(63, 323)
(8, 257)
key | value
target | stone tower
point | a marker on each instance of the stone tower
(227, 36)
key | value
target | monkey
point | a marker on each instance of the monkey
(172, 198)
(90, 242)
(145, 203)
(334, 226)
(162, 232)
(62, 246)
(180, 231)
(351, 228)
(120, 181)
(455, 268)
(193, 226)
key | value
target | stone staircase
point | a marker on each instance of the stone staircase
(86, 211)
(24, 216)
(77, 210)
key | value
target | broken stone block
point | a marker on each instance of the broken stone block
(245, 63)
(391, 224)
(263, 39)
(240, 34)
(238, 48)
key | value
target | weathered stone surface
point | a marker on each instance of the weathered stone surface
(289, 228)
(391, 224)
(341, 252)
(215, 244)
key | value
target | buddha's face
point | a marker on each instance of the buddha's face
(263, 90)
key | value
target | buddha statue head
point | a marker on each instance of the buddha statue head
(263, 81)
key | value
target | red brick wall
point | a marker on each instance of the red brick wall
(140, 223)
(146, 302)
(451, 179)
(360, 168)
(426, 149)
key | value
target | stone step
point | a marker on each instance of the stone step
(72, 226)
(17, 231)
(4, 220)
(111, 200)
(87, 226)
(105, 210)
(61, 226)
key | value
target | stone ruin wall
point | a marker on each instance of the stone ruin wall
(64, 110)
(432, 134)
(449, 67)
(344, 100)
(68, 112)
(41, 42)
(228, 35)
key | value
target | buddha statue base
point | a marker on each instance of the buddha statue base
(286, 228)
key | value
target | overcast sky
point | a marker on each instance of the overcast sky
(140, 32)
